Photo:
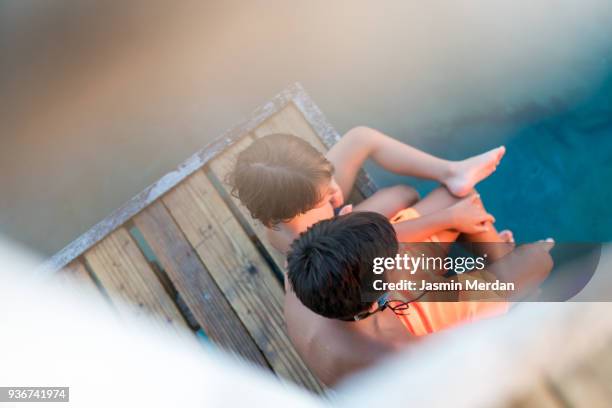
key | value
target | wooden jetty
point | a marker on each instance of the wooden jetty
(188, 254)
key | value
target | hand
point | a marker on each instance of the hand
(542, 246)
(337, 198)
(535, 263)
(469, 216)
(347, 209)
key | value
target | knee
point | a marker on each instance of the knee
(473, 191)
(445, 191)
(359, 133)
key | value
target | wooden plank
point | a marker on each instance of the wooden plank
(294, 93)
(220, 167)
(75, 273)
(130, 282)
(167, 182)
(326, 132)
(239, 271)
(193, 281)
(290, 120)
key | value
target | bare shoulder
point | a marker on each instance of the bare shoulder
(352, 140)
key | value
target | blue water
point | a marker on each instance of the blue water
(556, 178)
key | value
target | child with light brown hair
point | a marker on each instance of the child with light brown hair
(288, 185)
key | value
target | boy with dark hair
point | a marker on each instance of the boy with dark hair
(330, 265)
(331, 262)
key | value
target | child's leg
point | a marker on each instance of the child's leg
(361, 143)
(492, 243)
(437, 200)
(499, 244)
(389, 201)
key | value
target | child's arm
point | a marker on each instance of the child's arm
(362, 143)
(527, 267)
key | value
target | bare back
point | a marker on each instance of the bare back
(333, 349)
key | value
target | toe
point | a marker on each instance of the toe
(507, 236)
(500, 153)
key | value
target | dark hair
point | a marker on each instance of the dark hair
(331, 262)
(278, 177)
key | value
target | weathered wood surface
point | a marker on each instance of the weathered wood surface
(294, 93)
(239, 270)
(220, 167)
(129, 281)
(75, 273)
(192, 280)
(212, 261)
(290, 120)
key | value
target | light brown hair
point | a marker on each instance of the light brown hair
(278, 177)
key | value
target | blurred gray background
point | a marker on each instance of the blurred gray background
(99, 99)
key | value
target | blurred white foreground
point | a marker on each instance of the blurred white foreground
(56, 336)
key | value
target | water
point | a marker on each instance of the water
(556, 177)
(554, 181)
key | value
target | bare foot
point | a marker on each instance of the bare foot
(465, 174)
(507, 236)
